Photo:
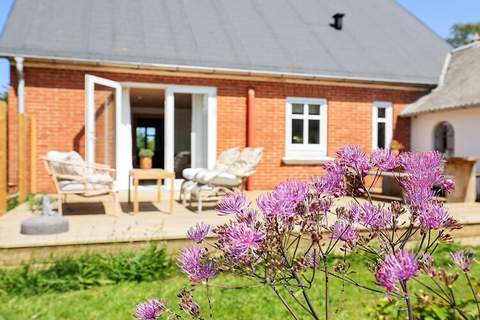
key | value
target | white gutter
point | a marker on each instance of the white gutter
(213, 70)
(21, 85)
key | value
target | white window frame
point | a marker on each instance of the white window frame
(305, 153)
(388, 120)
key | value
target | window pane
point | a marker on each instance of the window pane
(151, 143)
(314, 131)
(381, 112)
(297, 108)
(314, 109)
(297, 131)
(140, 138)
(381, 135)
(150, 131)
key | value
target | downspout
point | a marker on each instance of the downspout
(250, 127)
(20, 85)
(22, 132)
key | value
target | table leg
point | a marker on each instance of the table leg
(172, 182)
(135, 196)
(159, 189)
(129, 203)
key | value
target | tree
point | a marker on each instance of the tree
(462, 33)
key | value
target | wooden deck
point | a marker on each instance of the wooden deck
(94, 228)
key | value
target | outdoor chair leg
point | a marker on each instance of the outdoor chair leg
(199, 200)
(59, 204)
(182, 191)
(116, 204)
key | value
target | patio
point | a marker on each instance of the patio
(94, 228)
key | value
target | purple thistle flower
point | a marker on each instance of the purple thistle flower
(207, 270)
(150, 310)
(424, 172)
(354, 213)
(192, 262)
(249, 216)
(373, 217)
(199, 232)
(342, 230)
(384, 160)
(448, 185)
(399, 267)
(463, 259)
(386, 278)
(353, 156)
(333, 182)
(434, 217)
(232, 203)
(274, 205)
(240, 239)
(292, 190)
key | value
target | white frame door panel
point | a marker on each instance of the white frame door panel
(123, 149)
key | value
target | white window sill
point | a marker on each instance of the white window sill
(305, 160)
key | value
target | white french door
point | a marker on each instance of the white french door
(107, 126)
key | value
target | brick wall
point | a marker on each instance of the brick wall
(56, 99)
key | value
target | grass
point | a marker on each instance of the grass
(118, 301)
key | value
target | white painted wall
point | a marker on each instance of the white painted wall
(465, 122)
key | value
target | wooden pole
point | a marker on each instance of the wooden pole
(3, 157)
(22, 158)
(33, 155)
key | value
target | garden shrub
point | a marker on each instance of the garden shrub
(86, 271)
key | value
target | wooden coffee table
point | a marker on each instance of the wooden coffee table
(150, 174)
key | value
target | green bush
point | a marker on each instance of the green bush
(91, 270)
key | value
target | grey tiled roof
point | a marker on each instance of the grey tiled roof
(380, 40)
(460, 84)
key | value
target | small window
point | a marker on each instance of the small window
(444, 139)
(306, 128)
(382, 130)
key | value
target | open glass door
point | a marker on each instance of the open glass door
(107, 126)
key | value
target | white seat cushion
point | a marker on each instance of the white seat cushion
(226, 179)
(81, 187)
(218, 178)
(100, 178)
(190, 173)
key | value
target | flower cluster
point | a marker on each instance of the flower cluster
(194, 263)
(299, 225)
(396, 267)
(150, 310)
(463, 260)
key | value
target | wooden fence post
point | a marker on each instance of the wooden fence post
(33, 155)
(3, 157)
(22, 158)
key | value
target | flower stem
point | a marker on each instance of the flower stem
(287, 306)
(473, 292)
(327, 289)
(408, 302)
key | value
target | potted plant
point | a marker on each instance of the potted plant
(145, 158)
(396, 147)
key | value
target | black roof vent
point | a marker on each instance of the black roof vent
(337, 21)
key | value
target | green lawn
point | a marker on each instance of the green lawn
(118, 301)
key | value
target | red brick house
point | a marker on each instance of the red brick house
(102, 77)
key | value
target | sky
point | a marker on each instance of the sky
(439, 15)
